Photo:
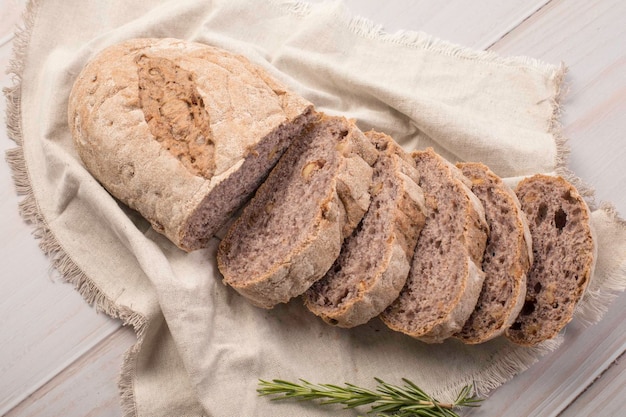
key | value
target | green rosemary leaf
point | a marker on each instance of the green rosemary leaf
(386, 400)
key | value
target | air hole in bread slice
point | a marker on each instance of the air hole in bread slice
(529, 307)
(560, 219)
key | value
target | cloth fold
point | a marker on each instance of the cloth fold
(200, 345)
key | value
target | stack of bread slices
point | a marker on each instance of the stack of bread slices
(350, 222)
(439, 251)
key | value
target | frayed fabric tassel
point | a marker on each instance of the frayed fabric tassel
(125, 381)
(30, 213)
(15, 69)
(14, 128)
(15, 159)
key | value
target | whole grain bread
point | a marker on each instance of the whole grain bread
(563, 257)
(374, 261)
(292, 230)
(181, 132)
(445, 279)
(507, 258)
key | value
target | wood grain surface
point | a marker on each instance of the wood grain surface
(58, 357)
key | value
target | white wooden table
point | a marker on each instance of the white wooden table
(59, 358)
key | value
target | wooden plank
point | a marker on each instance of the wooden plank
(85, 388)
(46, 324)
(605, 397)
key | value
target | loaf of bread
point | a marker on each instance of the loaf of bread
(291, 232)
(186, 133)
(374, 261)
(507, 257)
(181, 132)
(445, 279)
(563, 257)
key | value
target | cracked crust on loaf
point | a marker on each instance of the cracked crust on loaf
(445, 277)
(563, 257)
(291, 232)
(374, 261)
(507, 258)
(182, 132)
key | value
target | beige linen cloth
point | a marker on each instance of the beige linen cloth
(201, 347)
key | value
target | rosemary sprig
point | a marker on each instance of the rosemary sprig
(387, 400)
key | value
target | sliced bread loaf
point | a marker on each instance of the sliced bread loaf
(563, 257)
(374, 261)
(445, 277)
(507, 257)
(180, 131)
(292, 230)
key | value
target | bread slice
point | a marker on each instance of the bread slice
(563, 257)
(291, 232)
(445, 277)
(506, 261)
(182, 132)
(374, 261)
